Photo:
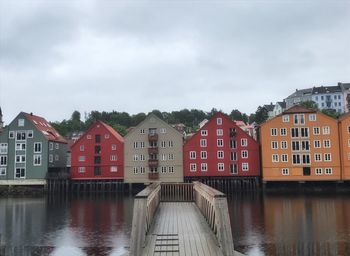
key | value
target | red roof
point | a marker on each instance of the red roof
(112, 131)
(45, 128)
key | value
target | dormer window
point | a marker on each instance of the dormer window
(20, 122)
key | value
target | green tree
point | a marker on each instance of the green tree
(310, 104)
(331, 112)
(261, 115)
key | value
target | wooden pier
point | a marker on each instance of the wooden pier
(181, 219)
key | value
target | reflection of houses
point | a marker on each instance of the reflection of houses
(300, 145)
(221, 148)
(344, 135)
(153, 152)
(98, 154)
(30, 151)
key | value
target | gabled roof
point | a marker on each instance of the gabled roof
(269, 107)
(298, 109)
(44, 127)
(282, 104)
(300, 93)
(326, 89)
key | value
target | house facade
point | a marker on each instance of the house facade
(329, 97)
(300, 145)
(31, 150)
(221, 149)
(344, 135)
(345, 87)
(153, 152)
(98, 154)
(298, 96)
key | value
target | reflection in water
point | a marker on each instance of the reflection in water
(100, 224)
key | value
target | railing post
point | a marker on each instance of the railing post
(138, 234)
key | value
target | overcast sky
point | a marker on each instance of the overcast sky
(136, 56)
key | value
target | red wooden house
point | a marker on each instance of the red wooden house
(98, 154)
(221, 149)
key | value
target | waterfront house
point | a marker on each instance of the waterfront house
(344, 135)
(300, 145)
(153, 152)
(98, 154)
(30, 151)
(221, 149)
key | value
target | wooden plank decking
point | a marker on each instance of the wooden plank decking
(179, 228)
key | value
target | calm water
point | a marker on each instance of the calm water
(100, 225)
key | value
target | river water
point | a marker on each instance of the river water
(262, 224)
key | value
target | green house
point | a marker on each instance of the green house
(30, 151)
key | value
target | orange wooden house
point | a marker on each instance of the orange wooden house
(344, 137)
(300, 145)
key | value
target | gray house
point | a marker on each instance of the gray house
(298, 96)
(30, 151)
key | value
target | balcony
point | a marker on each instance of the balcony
(153, 163)
(153, 150)
(153, 175)
(152, 137)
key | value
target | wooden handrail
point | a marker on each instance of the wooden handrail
(213, 205)
(177, 192)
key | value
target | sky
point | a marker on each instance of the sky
(135, 56)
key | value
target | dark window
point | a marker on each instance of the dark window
(306, 171)
(233, 144)
(97, 160)
(97, 171)
(97, 149)
(232, 132)
(97, 138)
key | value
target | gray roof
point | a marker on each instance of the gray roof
(282, 104)
(344, 86)
(326, 89)
(269, 107)
(300, 93)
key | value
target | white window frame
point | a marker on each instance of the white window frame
(81, 159)
(81, 148)
(204, 133)
(3, 171)
(318, 171)
(285, 118)
(326, 143)
(274, 144)
(113, 158)
(219, 132)
(325, 157)
(244, 142)
(316, 130)
(245, 167)
(221, 167)
(11, 134)
(283, 131)
(328, 171)
(275, 158)
(285, 171)
(51, 158)
(219, 121)
(326, 130)
(2, 161)
(3, 148)
(284, 144)
(220, 143)
(220, 154)
(193, 167)
(204, 167)
(317, 144)
(244, 154)
(284, 158)
(312, 117)
(204, 155)
(274, 132)
(203, 143)
(193, 155)
(318, 157)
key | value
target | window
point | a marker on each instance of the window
(97, 138)
(203, 143)
(302, 118)
(317, 144)
(136, 170)
(81, 148)
(328, 171)
(114, 147)
(219, 121)
(204, 132)
(326, 143)
(97, 159)
(81, 158)
(142, 144)
(284, 144)
(348, 129)
(163, 169)
(3, 148)
(57, 146)
(142, 169)
(163, 144)
(204, 167)
(244, 153)
(348, 144)
(163, 157)
(306, 171)
(142, 131)
(295, 118)
(97, 170)
(296, 159)
(316, 130)
(113, 158)
(244, 142)
(106, 136)
(283, 132)
(285, 171)
(245, 167)
(136, 157)
(20, 146)
(162, 130)
(221, 167)
(275, 158)
(327, 157)
(20, 122)
(312, 117)
(284, 158)
(233, 156)
(219, 132)
(171, 144)
(57, 157)
(305, 145)
(171, 169)
(273, 132)
(51, 158)
(220, 154)
(2, 171)
(51, 145)
(326, 130)
(171, 157)
(81, 169)
(203, 154)
(233, 169)
(142, 157)
(318, 171)
(20, 135)
(136, 144)
(306, 158)
(193, 167)
(295, 132)
(304, 131)
(295, 145)
(20, 158)
(274, 144)
(220, 142)
(11, 135)
(192, 154)
(285, 118)
(233, 144)
(98, 149)
(317, 157)
(88, 137)
(3, 160)
(30, 134)
(20, 173)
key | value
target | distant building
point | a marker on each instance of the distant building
(98, 154)
(1, 122)
(269, 109)
(30, 151)
(221, 148)
(153, 152)
(279, 107)
(300, 145)
(298, 96)
(344, 135)
(345, 87)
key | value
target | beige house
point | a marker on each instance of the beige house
(153, 152)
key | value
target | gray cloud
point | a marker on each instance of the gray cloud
(136, 56)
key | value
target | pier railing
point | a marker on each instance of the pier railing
(211, 202)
